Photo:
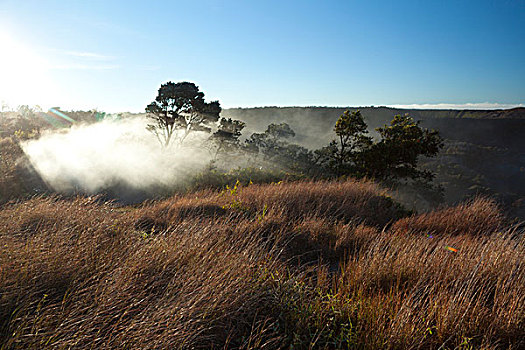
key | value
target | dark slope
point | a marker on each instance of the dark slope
(484, 151)
(313, 125)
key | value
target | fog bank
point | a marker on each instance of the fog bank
(113, 155)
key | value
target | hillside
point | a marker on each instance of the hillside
(292, 265)
(314, 125)
(484, 149)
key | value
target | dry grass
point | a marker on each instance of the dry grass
(476, 217)
(291, 265)
(10, 184)
(18, 179)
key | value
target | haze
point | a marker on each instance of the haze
(116, 154)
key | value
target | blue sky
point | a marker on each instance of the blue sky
(113, 55)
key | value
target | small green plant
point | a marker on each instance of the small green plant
(26, 135)
(261, 217)
(466, 344)
(234, 202)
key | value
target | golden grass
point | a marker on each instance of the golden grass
(476, 217)
(10, 184)
(302, 265)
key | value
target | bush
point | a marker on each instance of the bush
(11, 184)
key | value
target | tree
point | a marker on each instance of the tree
(271, 142)
(344, 154)
(226, 138)
(276, 149)
(180, 107)
(396, 155)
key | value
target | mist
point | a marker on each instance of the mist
(114, 156)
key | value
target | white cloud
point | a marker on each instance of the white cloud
(483, 105)
(82, 66)
(81, 60)
(89, 55)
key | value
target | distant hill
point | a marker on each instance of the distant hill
(484, 149)
(314, 125)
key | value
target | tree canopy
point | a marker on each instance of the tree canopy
(396, 154)
(344, 154)
(180, 107)
(226, 138)
(393, 157)
(271, 142)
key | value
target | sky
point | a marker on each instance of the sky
(114, 55)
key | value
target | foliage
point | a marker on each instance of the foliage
(272, 141)
(232, 195)
(23, 135)
(274, 146)
(344, 155)
(396, 155)
(17, 178)
(212, 178)
(180, 107)
(11, 185)
(226, 139)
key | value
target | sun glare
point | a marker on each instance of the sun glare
(24, 77)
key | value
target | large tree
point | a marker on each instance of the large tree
(270, 143)
(180, 107)
(276, 149)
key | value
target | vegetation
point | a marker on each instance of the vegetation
(483, 152)
(392, 158)
(292, 265)
(261, 262)
(396, 155)
(11, 186)
(226, 139)
(180, 107)
(346, 154)
(213, 179)
(272, 149)
(476, 160)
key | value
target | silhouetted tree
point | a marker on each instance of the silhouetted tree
(270, 142)
(180, 106)
(396, 155)
(274, 146)
(344, 154)
(393, 157)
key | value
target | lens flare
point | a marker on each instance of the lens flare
(61, 115)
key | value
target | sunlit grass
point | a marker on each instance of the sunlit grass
(302, 265)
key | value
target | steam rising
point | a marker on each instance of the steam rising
(113, 155)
